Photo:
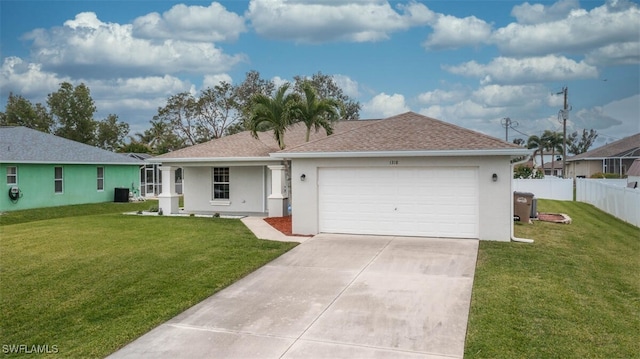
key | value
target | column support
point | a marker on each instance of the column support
(277, 200)
(168, 199)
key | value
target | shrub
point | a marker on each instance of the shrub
(605, 175)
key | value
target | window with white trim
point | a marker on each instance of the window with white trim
(57, 179)
(100, 178)
(12, 175)
(220, 183)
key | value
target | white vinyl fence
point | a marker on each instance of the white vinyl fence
(547, 188)
(611, 196)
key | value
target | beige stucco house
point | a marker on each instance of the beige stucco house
(615, 157)
(406, 175)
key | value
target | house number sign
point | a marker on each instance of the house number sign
(394, 162)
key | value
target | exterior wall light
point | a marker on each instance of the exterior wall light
(495, 177)
(303, 177)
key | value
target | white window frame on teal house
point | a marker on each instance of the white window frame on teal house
(100, 178)
(57, 180)
(12, 175)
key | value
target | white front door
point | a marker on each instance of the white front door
(407, 201)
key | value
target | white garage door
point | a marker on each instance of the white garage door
(407, 201)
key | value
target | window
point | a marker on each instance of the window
(57, 179)
(220, 183)
(12, 175)
(100, 176)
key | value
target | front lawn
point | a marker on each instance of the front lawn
(90, 284)
(574, 293)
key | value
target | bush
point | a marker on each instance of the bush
(605, 175)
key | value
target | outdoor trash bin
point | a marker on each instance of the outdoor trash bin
(522, 202)
(121, 195)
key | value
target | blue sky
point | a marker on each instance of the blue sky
(471, 63)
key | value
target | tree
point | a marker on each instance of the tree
(179, 116)
(538, 144)
(216, 110)
(73, 109)
(519, 142)
(110, 133)
(553, 142)
(160, 138)
(250, 87)
(316, 113)
(326, 88)
(273, 113)
(576, 147)
(21, 112)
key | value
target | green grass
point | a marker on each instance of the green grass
(39, 214)
(90, 284)
(574, 293)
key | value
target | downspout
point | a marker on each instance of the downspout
(513, 237)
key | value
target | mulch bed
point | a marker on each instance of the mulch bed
(283, 224)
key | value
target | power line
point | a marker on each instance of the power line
(507, 124)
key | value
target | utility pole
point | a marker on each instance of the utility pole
(565, 115)
(507, 123)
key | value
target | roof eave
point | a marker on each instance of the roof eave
(72, 162)
(436, 153)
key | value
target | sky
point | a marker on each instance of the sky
(470, 63)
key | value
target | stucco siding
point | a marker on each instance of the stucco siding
(248, 188)
(36, 183)
(495, 198)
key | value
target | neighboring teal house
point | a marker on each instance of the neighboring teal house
(38, 169)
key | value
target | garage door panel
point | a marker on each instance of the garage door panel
(416, 201)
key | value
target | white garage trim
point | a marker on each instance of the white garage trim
(407, 201)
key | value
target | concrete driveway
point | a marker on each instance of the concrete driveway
(333, 296)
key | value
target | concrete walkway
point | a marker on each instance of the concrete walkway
(263, 230)
(333, 296)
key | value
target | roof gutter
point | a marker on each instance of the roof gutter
(436, 153)
(207, 159)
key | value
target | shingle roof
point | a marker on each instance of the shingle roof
(634, 170)
(625, 146)
(243, 145)
(405, 132)
(25, 145)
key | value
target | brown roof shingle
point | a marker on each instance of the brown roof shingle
(244, 145)
(405, 132)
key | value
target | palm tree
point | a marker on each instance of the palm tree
(273, 114)
(316, 112)
(553, 142)
(538, 144)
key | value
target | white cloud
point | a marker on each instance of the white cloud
(28, 79)
(578, 32)
(627, 53)
(324, 21)
(438, 96)
(506, 70)
(349, 86)
(529, 14)
(453, 32)
(87, 47)
(214, 80)
(383, 105)
(191, 23)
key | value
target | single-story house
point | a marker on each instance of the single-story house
(44, 170)
(553, 168)
(407, 175)
(615, 157)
